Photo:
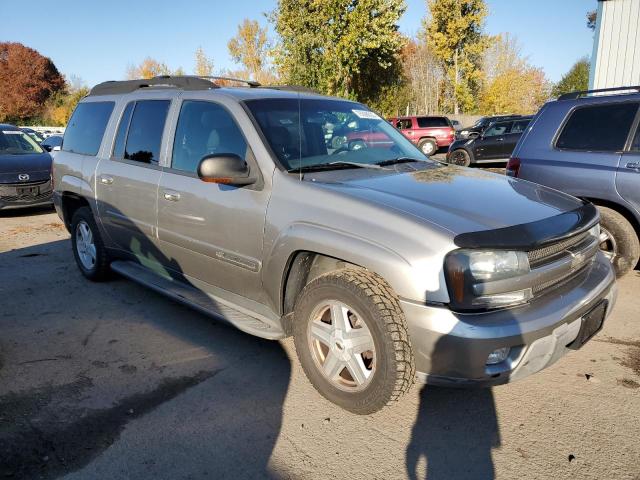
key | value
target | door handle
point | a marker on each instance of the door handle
(635, 166)
(500, 139)
(106, 179)
(171, 196)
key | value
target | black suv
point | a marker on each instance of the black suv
(494, 144)
(481, 124)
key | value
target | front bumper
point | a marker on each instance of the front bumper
(452, 349)
(25, 195)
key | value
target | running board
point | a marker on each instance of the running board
(198, 300)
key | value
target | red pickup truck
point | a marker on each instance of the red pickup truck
(428, 133)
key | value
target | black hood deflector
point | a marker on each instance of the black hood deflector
(529, 236)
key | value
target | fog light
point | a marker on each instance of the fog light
(498, 355)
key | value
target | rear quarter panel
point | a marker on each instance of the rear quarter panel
(582, 174)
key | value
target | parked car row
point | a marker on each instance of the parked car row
(294, 214)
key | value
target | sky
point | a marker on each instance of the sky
(96, 41)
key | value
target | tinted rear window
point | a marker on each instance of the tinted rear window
(86, 127)
(145, 131)
(602, 128)
(428, 122)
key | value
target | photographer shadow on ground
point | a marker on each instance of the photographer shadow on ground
(457, 428)
(206, 403)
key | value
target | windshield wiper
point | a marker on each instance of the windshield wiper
(333, 166)
(395, 161)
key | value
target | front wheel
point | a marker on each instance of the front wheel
(460, 157)
(351, 338)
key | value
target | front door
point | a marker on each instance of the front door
(491, 144)
(127, 182)
(211, 232)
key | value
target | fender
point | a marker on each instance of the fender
(302, 236)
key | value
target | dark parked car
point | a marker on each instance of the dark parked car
(589, 146)
(428, 133)
(33, 134)
(25, 170)
(51, 142)
(482, 123)
(495, 144)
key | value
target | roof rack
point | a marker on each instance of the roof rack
(185, 82)
(576, 95)
(290, 88)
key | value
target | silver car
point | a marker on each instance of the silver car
(285, 212)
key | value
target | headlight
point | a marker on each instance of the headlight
(485, 279)
(464, 132)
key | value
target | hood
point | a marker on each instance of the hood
(37, 166)
(460, 200)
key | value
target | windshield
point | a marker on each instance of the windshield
(16, 142)
(308, 132)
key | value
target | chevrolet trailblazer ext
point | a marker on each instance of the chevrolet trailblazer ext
(383, 265)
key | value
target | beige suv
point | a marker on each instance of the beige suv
(261, 207)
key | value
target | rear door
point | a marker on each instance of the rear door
(490, 145)
(127, 182)
(511, 139)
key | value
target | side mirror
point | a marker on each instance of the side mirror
(225, 168)
(475, 135)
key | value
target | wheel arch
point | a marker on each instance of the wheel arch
(70, 203)
(621, 209)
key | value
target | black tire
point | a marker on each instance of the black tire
(460, 157)
(428, 146)
(623, 243)
(373, 299)
(99, 271)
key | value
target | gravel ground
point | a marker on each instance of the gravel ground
(114, 381)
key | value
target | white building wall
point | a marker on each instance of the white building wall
(616, 48)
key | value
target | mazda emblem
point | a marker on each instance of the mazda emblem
(23, 177)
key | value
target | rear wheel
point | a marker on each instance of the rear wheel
(460, 157)
(428, 146)
(88, 248)
(618, 241)
(351, 338)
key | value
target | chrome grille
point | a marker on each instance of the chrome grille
(562, 261)
(546, 254)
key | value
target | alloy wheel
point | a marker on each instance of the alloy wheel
(342, 346)
(608, 244)
(85, 245)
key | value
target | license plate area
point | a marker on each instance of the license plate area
(27, 191)
(592, 322)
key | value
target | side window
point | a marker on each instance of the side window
(145, 131)
(86, 127)
(205, 128)
(497, 129)
(602, 128)
(121, 135)
(519, 127)
(404, 124)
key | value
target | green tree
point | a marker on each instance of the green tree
(576, 79)
(204, 64)
(348, 48)
(455, 33)
(250, 47)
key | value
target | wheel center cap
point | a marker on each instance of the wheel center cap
(339, 347)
